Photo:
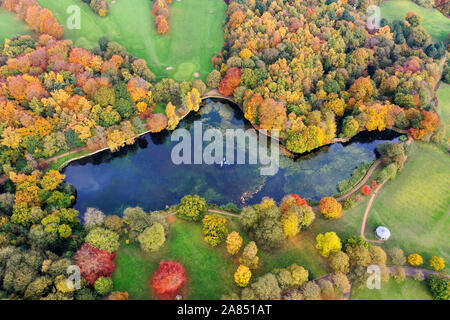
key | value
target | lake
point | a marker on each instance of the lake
(144, 174)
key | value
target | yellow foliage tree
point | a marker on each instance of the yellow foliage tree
(234, 243)
(242, 276)
(415, 259)
(290, 222)
(51, 180)
(437, 263)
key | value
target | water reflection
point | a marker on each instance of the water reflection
(144, 175)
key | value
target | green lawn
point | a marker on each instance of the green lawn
(414, 206)
(443, 96)
(10, 25)
(434, 22)
(209, 270)
(195, 33)
(409, 289)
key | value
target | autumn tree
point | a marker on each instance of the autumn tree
(327, 243)
(168, 280)
(234, 243)
(330, 208)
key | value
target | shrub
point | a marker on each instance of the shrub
(103, 286)
(415, 259)
(152, 238)
(191, 207)
(104, 239)
(330, 208)
(341, 282)
(214, 229)
(234, 243)
(437, 263)
(168, 280)
(399, 274)
(242, 276)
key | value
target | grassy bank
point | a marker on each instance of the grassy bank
(409, 289)
(434, 22)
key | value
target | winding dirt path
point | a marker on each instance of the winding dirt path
(366, 215)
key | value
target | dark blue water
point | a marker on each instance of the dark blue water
(144, 174)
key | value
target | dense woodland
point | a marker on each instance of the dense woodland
(307, 68)
(312, 70)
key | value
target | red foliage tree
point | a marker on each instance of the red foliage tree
(230, 82)
(366, 190)
(94, 263)
(168, 280)
(300, 201)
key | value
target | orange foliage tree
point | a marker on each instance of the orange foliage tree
(230, 82)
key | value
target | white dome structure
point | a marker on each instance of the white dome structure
(383, 233)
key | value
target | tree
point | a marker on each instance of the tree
(230, 82)
(437, 263)
(249, 256)
(234, 243)
(440, 288)
(359, 255)
(103, 286)
(377, 255)
(94, 263)
(168, 280)
(162, 26)
(415, 259)
(299, 275)
(51, 180)
(93, 218)
(191, 207)
(327, 243)
(340, 262)
(156, 122)
(341, 282)
(213, 79)
(330, 208)
(104, 239)
(311, 291)
(242, 276)
(397, 256)
(152, 238)
(266, 287)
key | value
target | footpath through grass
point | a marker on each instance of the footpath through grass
(10, 25)
(195, 33)
(434, 21)
(409, 289)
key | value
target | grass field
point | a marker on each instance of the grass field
(209, 270)
(414, 206)
(195, 33)
(443, 96)
(434, 22)
(409, 289)
(10, 25)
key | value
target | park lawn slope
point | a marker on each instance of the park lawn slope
(434, 21)
(10, 25)
(409, 289)
(195, 34)
(443, 95)
(209, 270)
